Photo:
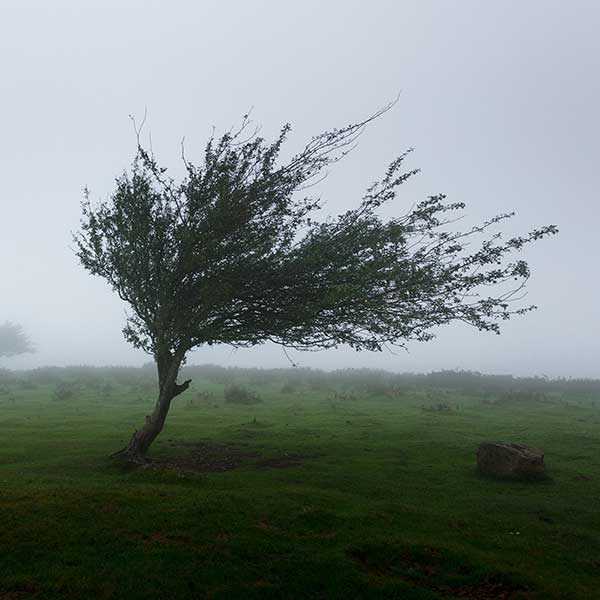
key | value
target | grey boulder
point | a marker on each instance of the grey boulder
(510, 461)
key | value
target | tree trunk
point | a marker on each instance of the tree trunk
(168, 366)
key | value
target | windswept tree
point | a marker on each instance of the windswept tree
(13, 340)
(233, 254)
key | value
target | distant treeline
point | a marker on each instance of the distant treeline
(470, 382)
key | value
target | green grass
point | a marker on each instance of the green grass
(384, 501)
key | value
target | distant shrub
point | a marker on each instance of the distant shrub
(237, 394)
(345, 396)
(201, 398)
(439, 407)
(106, 388)
(522, 397)
(63, 391)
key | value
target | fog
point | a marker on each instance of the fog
(499, 100)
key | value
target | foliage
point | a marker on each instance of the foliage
(64, 391)
(13, 340)
(204, 396)
(237, 394)
(233, 254)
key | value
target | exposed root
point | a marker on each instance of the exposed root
(131, 454)
(129, 458)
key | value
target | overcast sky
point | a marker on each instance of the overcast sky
(499, 99)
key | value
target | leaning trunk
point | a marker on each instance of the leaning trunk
(168, 368)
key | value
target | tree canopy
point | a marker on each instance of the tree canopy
(234, 253)
(13, 340)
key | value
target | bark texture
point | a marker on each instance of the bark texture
(168, 368)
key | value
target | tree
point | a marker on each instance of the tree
(233, 254)
(13, 340)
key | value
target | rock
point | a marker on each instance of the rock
(511, 461)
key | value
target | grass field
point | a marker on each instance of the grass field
(326, 488)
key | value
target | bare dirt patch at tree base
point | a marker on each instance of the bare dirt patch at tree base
(206, 458)
(218, 458)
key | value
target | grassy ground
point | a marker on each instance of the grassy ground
(315, 492)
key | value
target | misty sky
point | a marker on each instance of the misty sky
(499, 99)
